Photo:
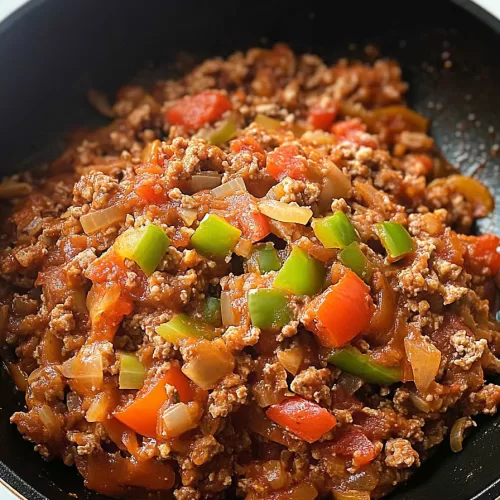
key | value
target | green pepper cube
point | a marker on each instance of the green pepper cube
(301, 274)
(132, 373)
(395, 239)
(181, 327)
(268, 258)
(215, 237)
(146, 246)
(352, 361)
(335, 231)
(268, 308)
(224, 133)
(353, 258)
(211, 311)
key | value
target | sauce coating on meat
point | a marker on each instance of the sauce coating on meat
(254, 280)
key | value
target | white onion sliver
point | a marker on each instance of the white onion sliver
(234, 186)
(243, 248)
(188, 215)
(100, 219)
(285, 212)
(176, 420)
(199, 182)
(226, 309)
(98, 409)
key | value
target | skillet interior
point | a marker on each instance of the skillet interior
(52, 51)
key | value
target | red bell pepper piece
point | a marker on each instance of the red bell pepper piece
(341, 312)
(305, 419)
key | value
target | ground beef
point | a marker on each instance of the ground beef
(166, 377)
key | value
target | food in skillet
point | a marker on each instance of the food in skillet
(258, 279)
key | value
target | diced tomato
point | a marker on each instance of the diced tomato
(322, 116)
(286, 161)
(305, 419)
(151, 190)
(142, 413)
(353, 443)
(194, 111)
(246, 216)
(483, 251)
(354, 131)
(341, 312)
(247, 143)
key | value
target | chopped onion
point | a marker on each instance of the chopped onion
(226, 309)
(350, 383)
(98, 304)
(351, 495)
(19, 376)
(318, 137)
(335, 185)
(420, 403)
(303, 491)
(229, 188)
(86, 367)
(211, 361)
(285, 212)
(177, 419)
(291, 359)
(188, 215)
(100, 219)
(275, 474)
(49, 421)
(267, 395)
(267, 123)
(99, 408)
(424, 359)
(199, 182)
(243, 248)
(457, 433)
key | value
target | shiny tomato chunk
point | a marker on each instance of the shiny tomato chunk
(354, 131)
(483, 251)
(194, 111)
(305, 419)
(353, 443)
(286, 161)
(151, 190)
(246, 144)
(322, 116)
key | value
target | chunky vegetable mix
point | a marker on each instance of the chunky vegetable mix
(258, 281)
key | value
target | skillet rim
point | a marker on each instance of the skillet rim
(20, 488)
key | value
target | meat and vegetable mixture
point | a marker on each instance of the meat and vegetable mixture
(257, 281)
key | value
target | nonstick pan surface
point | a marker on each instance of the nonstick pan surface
(53, 51)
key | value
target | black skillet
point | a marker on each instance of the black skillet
(52, 51)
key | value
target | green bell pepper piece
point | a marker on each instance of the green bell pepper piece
(268, 258)
(223, 134)
(146, 246)
(335, 231)
(353, 258)
(352, 361)
(301, 274)
(211, 311)
(215, 237)
(181, 327)
(395, 239)
(268, 308)
(132, 373)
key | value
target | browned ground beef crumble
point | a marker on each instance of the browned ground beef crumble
(384, 166)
